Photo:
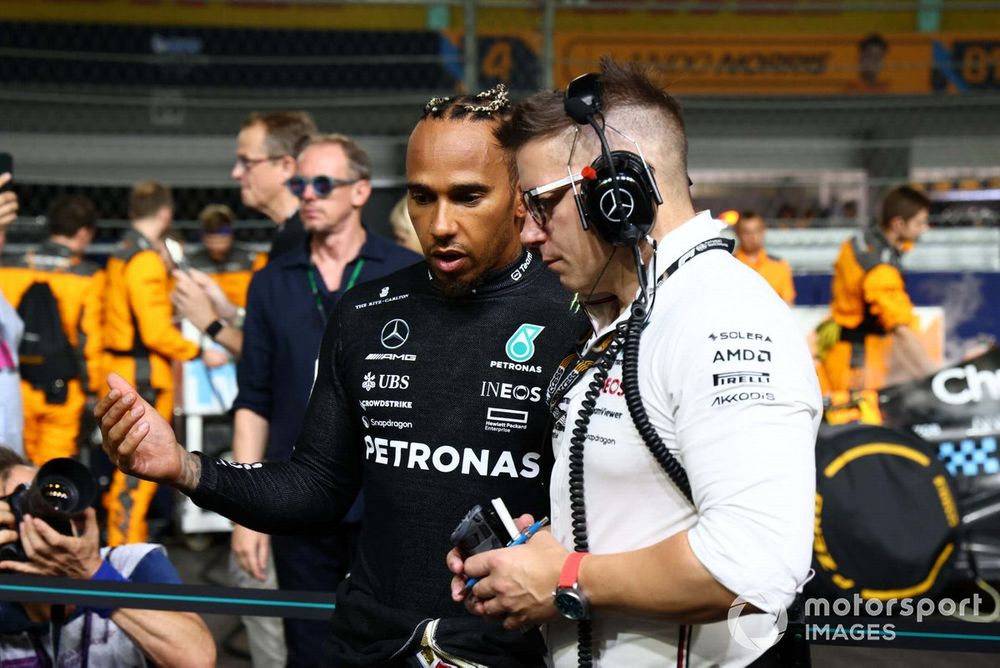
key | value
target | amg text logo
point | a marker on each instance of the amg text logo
(391, 357)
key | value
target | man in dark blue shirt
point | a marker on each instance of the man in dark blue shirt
(287, 307)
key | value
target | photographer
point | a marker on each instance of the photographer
(100, 637)
(654, 531)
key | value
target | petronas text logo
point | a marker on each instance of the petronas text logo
(521, 345)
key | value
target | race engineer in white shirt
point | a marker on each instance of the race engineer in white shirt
(726, 381)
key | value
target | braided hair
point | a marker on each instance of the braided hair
(487, 105)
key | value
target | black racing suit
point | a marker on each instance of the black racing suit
(429, 405)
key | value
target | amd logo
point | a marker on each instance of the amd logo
(742, 355)
(511, 391)
(973, 385)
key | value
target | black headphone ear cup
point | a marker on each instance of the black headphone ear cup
(601, 194)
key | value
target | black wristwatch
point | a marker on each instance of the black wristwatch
(214, 328)
(569, 598)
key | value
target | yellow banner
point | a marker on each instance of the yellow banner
(221, 14)
(760, 64)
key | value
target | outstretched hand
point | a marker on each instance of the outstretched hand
(136, 438)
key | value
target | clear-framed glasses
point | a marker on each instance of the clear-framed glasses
(246, 164)
(321, 185)
(540, 207)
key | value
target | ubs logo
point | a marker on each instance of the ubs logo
(395, 333)
(385, 381)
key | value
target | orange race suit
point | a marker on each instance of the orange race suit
(232, 274)
(140, 341)
(777, 272)
(52, 424)
(869, 302)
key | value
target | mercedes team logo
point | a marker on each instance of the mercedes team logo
(608, 204)
(395, 333)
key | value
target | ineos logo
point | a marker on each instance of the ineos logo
(395, 333)
(609, 205)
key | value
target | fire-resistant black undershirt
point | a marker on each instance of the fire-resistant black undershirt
(429, 405)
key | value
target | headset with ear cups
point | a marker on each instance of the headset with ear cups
(618, 195)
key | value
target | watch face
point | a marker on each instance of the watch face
(571, 604)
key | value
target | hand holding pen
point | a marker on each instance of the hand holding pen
(519, 540)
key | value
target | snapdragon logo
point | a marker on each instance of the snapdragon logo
(753, 629)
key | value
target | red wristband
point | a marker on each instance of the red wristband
(571, 569)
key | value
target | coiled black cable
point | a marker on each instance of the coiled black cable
(630, 383)
(577, 501)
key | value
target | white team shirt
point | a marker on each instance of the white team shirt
(729, 385)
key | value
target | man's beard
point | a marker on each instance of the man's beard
(453, 289)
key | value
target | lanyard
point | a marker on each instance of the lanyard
(574, 365)
(314, 286)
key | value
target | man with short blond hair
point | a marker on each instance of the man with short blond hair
(685, 426)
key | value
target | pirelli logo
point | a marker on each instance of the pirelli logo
(741, 378)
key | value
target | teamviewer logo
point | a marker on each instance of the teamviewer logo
(754, 630)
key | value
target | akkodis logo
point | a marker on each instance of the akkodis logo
(752, 629)
(521, 345)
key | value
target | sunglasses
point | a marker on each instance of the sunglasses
(541, 208)
(321, 185)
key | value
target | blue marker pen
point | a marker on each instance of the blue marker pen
(521, 539)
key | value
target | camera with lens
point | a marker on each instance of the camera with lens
(61, 491)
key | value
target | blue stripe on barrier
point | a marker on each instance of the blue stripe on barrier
(949, 636)
(169, 597)
(153, 596)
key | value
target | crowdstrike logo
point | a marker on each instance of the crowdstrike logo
(521, 344)
(395, 333)
(755, 630)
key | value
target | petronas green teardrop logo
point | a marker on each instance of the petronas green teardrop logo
(521, 344)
